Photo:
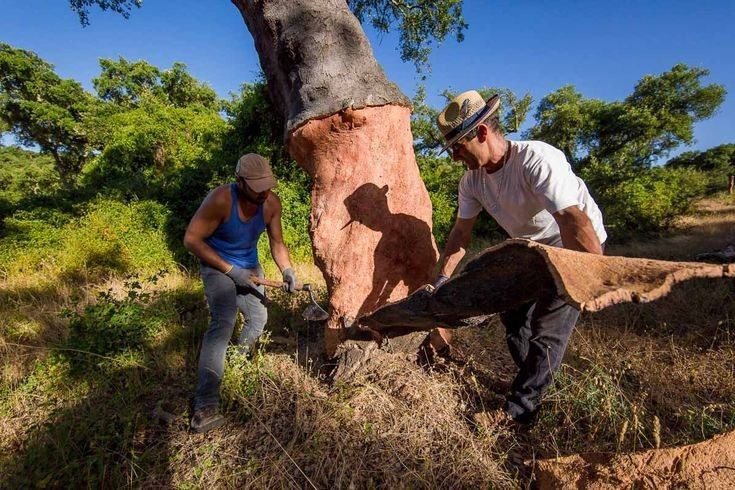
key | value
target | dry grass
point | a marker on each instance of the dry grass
(634, 377)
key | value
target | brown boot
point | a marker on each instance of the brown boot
(206, 419)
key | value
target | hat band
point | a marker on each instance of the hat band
(466, 123)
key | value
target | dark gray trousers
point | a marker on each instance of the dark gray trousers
(537, 335)
(224, 301)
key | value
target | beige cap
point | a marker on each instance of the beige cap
(463, 114)
(256, 171)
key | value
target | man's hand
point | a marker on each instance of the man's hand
(241, 277)
(289, 280)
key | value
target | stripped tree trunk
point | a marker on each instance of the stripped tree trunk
(349, 127)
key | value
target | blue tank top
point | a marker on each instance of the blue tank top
(236, 241)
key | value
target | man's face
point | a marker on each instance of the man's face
(466, 150)
(249, 194)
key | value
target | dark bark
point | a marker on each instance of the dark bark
(316, 58)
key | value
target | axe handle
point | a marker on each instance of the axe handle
(273, 284)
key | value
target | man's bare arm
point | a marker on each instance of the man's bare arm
(577, 232)
(202, 225)
(275, 233)
(456, 247)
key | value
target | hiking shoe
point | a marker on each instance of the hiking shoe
(206, 419)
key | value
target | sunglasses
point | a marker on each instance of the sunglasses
(464, 139)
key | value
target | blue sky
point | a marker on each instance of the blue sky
(603, 48)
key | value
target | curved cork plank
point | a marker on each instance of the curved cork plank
(518, 271)
(709, 464)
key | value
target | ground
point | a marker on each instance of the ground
(77, 406)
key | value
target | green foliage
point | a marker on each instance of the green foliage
(656, 118)
(109, 237)
(421, 22)
(256, 127)
(122, 7)
(145, 148)
(42, 109)
(113, 325)
(564, 119)
(642, 201)
(717, 162)
(24, 176)
(127, 83)
(296, 209)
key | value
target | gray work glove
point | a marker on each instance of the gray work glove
(289, 280)
(241, 277)
(440, 279)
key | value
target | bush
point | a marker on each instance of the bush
(642, 200)
(296, 210)
(444, 212)
(145, 149)
(111, 326)
(109, 236)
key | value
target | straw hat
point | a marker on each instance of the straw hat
(463, 114)
(256, 171)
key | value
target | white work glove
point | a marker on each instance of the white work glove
(289, 280)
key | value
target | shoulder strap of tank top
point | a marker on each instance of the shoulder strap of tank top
(233, 196)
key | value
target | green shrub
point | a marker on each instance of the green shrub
(444, 212)
(109, 237)
(642, 200)
(112, 325)
(144, 149)
(296, 209)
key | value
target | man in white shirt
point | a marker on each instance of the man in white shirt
(529, 188)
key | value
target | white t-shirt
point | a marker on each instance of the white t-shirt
(535, 182)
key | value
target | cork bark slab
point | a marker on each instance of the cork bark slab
(709, 464)
(518, 271)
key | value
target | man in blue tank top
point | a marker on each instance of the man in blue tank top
(224, 235)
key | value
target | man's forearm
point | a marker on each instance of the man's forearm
(453, 253)
(280, 255)
(207, 254)
(581, 237)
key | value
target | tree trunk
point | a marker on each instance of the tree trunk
(349, 127)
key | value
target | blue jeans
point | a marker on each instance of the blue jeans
(224, 301)
(537, 335)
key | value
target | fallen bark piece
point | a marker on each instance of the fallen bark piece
(709, 464)
(518, 271)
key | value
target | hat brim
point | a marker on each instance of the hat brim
(262, 184)
(491, 106)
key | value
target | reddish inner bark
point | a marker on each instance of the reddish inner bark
(371, 214)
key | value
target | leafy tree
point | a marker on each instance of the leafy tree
(715, 158)
(717, 163)
(42, 109)
(419, 22)
(126, 83)
(122, 7)
(656, 118)
(565, 119)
